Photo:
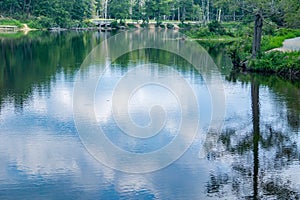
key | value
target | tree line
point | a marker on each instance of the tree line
(62, 12)
(48, 12)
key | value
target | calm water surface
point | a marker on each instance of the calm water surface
(255, 156)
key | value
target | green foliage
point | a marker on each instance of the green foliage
(87, 23)
(130, 26)
(122, 23)
(170, 26)
(114, 24)
(239, 52)
(48, 13)
(199, 33)
(42, 22)
(68, 13)
(185, 26)
(216, 28)
(11, 22)
(277, 62)
(156, 9)
(158, 24)
(292, 16)
(186, 10)
(118, 9)
(270, 42)
(145, 25)
(162, 26)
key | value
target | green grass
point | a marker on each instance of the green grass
(271, 42)
(11, 22)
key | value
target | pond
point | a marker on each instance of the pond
(47, 149)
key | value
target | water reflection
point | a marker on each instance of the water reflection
(269, 148)
(41, 156)
(31, 62)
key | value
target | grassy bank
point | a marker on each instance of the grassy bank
(275, 41)
(45, 23)
(286, 64)
(11, 22)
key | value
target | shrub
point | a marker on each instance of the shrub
(11, 22)
(122, 23)
(41, 22)
(277, 62)
(185, 26)
(114, 24)
(144, 25)
(88, 23)
(269, 30)
(216, 28)
(162, 26)
(131, 26)
(158, 24)
(170, 26)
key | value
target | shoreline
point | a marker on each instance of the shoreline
(289, 45)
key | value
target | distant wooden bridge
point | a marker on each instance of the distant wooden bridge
(102, 23)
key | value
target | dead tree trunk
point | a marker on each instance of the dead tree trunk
(257, 35)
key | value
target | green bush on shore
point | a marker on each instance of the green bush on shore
(45, 22)
(41, 22)
(287, 63)
(145, 25)
(213, 29)
(11, 22)
(170, 26)
(277, 62)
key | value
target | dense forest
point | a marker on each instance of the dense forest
(69, 12)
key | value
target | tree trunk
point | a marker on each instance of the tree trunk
(105, 9)
(178, 13)
(203, 11)
(131, 9)
(207, 12)
(183, 14)
(219, 15)
(257, 35)
(173, 12)
(234, 15)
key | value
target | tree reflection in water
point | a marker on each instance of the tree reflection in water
(261, 155)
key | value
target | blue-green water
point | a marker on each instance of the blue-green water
(255, 155)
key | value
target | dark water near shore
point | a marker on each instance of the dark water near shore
(256, 155)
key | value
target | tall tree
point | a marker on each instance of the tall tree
(119, 9)
(260, 9)
(291, 10)
(157, 9)
(186, 8)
